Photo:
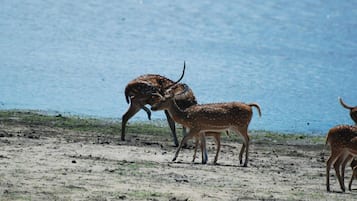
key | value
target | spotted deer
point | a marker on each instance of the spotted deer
(216, 117)
(343, 143)
(138, 93)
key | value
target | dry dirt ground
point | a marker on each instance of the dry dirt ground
(44, 163)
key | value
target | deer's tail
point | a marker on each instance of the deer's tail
(256, 106)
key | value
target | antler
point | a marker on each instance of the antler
(344, 104)
(183, 73)
(353, 110)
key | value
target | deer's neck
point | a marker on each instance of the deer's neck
(177, 114)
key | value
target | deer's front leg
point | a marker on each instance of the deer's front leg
(192, 133)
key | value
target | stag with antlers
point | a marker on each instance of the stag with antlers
(343, 142)
(203, 118)
(138, 93)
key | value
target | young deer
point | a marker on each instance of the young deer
(138, 93)
(343, 142)
(209, 118)
(354, 173)
(353, 110)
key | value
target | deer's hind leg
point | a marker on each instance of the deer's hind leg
(346, 158)
(243, 131)
(217, 138)
(354, 176)
(132, 110)
(331, 160)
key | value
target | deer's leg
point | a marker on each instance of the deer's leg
(354, 175)
(196, 145)
(203, 148)
(331, 160)
(217, 138)
(132, 110)
(338, 167)
(346, 159)
(172, 127)
(241, 154)
(184, 131)
(148, 112)
(218, 142)
(192, 133)
(246, 151)
(236, 130)
(245, 147)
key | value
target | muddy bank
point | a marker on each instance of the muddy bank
(46, 162)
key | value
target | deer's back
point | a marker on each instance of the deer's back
(221, 113)
(144, 85)
(342, 136)
(151, 80)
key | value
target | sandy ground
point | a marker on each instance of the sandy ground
(43, 163)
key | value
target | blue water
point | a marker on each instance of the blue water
(294, 58)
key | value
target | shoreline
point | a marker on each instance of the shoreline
(61, 158)
(155, 122)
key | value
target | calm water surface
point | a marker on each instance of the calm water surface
(293, 58)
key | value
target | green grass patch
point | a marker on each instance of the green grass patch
(15, 195)
(155, 128)
(137, 169)
(150, 128)
(283, 138)
(78, 123)
(148, 195)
